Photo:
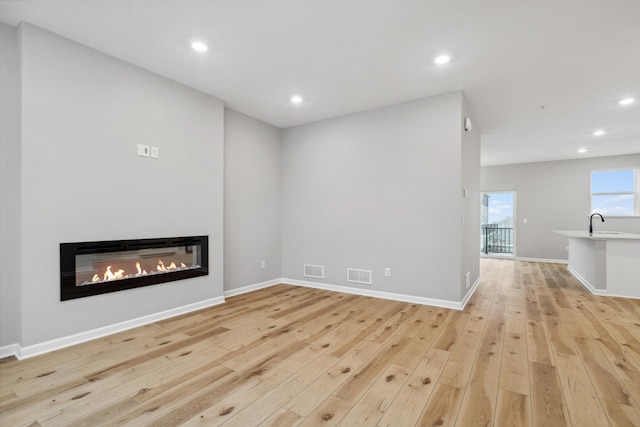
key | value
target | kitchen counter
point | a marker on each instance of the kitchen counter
(606, 263)
(599, 235)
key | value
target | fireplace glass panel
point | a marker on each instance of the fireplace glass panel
(104, 267)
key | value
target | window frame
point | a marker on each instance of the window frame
(635, 193)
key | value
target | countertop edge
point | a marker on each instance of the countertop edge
(598, 235)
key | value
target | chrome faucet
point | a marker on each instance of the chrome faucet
(591, 222)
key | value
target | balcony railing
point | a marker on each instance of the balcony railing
(497, 240)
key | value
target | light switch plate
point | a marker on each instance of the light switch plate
(143, 150)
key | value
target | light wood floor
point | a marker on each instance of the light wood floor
(531, 348)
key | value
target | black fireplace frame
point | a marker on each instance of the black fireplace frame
(68, 251)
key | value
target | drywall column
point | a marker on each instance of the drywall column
(375, 190)
(10, 324)
(83, 113)
(470, 194)
(251, 201)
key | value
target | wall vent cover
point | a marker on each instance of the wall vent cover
(315, 271)
(359, 276)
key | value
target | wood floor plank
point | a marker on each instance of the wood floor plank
(532, 347)
(547, 401)
(417, 390)
(282, 418)
(372, 324)
(514, 371)
(582, 400)
(453, 329)
(412, 326)
(513, 409)
(320, 389)
(538, 344)
(622, 415)
(368, 410)
(608, 385)
(277, 398)
(202, 400)
(442, 408)
(432, 329)
(140, 383)
(460, 364)
(479, 401)
(559, 337)
(360, 380)
(329, 412)
(223, 409)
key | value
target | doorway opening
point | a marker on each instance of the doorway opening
(497, 231)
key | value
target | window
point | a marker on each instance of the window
(614, 192)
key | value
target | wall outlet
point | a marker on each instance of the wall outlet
(154, 152)
(467, 280)
(263, 264)
(387, 272)
(566, 248)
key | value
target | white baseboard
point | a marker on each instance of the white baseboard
(56, 344)
(470, 292)
(59, 343)
(552, 261)
(358, 291)
(9, 350)
(586, 284)
(254, 287)
(377, 294)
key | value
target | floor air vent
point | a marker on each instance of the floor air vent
(316, 271)
(359, 276)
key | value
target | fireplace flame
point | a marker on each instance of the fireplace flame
(113, 273)
(109, 275)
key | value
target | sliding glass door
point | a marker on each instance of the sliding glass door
(497, 233)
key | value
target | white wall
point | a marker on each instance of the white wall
(83, 114)
(378, 189)
(9, 189)
(471, 203)
(554, 196)
(372, 190)
(251, 201)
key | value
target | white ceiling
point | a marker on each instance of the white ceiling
(577, 58)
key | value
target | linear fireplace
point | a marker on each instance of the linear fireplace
(92, 268)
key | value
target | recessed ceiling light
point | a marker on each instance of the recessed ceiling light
(296, 99)
(199, 46)
(582, 150)
(442, 59)
(626, 101)
(598, 132)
